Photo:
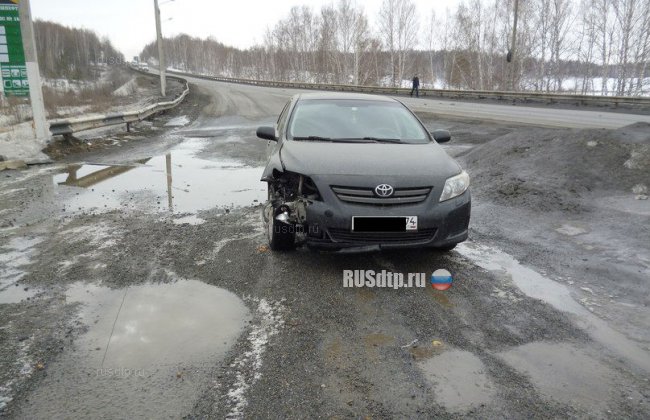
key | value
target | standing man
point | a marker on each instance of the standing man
(416, 86)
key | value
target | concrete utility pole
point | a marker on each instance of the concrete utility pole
(511, 55)
(41, 128)
(161, 51)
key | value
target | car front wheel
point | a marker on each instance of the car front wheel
(281, 236)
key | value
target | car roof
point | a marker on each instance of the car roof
(339, 95)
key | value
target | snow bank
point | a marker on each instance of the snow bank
(17, 143)
(127, 89)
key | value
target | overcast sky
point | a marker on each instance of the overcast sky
(241, 23)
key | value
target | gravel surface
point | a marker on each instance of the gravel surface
(135, 281)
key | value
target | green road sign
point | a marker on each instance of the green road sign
(12, 55)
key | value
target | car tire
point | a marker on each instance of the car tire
(281, 236)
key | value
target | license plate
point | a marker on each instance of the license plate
(385, 224)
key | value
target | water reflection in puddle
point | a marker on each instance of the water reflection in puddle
(179, 182)
(152, 324)
(148, 350)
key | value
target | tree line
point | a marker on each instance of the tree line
(583, 46)
(71, 53)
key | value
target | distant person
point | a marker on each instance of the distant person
(416, 87)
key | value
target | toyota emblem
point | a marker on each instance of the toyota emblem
(384, 190)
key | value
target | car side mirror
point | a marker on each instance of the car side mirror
(267, 133)
(441, 136)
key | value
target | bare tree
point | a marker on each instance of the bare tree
(432, 41)
(642, 53)
(557, 40)
(398, 25)
(631, 17)
(352, 33)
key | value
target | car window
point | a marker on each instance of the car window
(355, 119)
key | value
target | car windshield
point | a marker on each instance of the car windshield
(355, 120)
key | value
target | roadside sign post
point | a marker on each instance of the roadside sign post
(18, 62)
(12, 56)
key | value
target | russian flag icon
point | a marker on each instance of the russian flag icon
(441, 280)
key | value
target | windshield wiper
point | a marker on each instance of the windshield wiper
(382, 140)
(348, 139)
(317, 138)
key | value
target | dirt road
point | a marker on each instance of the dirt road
(135, 281)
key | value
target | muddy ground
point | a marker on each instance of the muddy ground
(135, 281)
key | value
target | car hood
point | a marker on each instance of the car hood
(326, 158)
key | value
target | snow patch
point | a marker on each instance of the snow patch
(191, 219)
(268, 323)
(504, 294)
(570, 230)
(128, 88)
(100, 235)
(219, 245)
(181, 121)
(17, 143)
(25, 364)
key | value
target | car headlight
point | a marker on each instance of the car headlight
(455, 186)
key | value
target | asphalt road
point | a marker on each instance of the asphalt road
(535, 116)
(511, 114)
(135, 282)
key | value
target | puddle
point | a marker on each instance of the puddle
(440, 297)
(564, 373)
(459, 380)
(14, 255)
(378, 340)
(211, 127)
(148, 350)
(216, 130)
(156, 321)
(626, 204)
(536, 286)
(178, 182)
(424, 350)
(374, 343)
(366, 295)
(16, 294)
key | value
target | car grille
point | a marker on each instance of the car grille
(367, 196)
(344, 235)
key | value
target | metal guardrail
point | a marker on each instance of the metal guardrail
(574, 99)
(69, 126)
